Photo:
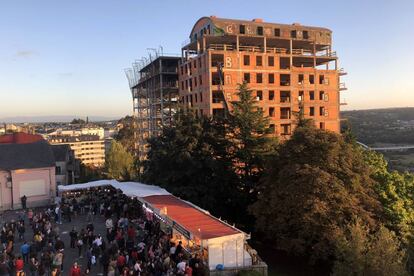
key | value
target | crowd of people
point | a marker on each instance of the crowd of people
(131, 244)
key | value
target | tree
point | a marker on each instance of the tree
(314, 186)
(251, 138)
(89, 173)
(78, 121)
(119, 163)
(360, 252)
(396, 193)
(126, 134)
(190, 160)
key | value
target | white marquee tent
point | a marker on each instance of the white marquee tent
(128, 188)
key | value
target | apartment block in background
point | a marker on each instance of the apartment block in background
(89, 149)
(154, 88)
(67, 167)
(290, 68)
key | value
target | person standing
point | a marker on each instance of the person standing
(75, 270)
(25, 250)
(73, 237)
(24, 200)
(33, 267)
(19, 264)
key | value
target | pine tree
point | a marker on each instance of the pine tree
(251, 138)
(190, 159)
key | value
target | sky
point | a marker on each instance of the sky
(68, 57)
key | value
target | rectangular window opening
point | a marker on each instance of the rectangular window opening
(285, 96)
(246, 77)
(277, 32)
(217, 59)
(271, 61)
(259, 61)
(311, 95)
(271, 78)
(259, 95)
(259, 78)
(284, 79)
(311, 111)
(311, 79)
(246, 60)
(284, 63)
(242, 29)
(271, 95)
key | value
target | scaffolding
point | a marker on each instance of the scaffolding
(153, 82)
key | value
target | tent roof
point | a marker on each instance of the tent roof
(192, 218)
(128, 188)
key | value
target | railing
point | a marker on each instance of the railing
(302, 52)
(341, 71)
(261, 49)
(221, 47)
(276, 50)
(342, 86)
(251, 48)
(329, 54)
(284, 116)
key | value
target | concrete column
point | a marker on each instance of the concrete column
(290, 52)
(314, 55)
(237, 43)
(265, 44)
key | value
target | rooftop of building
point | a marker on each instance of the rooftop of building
(256, 21)
(60, 152)
(20, 138)
(72, 139)
(15, 156)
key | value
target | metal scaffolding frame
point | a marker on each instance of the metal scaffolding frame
(153, 82)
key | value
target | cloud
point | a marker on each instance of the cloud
(25, 54)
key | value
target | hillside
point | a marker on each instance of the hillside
(382, 126)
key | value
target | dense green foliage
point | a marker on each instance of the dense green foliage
(313, 188)
(318, 195)
(126, 135)
(214, 162)
(78, 121)
(190, 160)
(360, 252)
(396, 192)
(250, 138)
(89, 173)
(119, 163)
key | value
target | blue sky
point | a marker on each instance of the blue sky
(68, 57)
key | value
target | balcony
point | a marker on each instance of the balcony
(342, 72)
(342, 86)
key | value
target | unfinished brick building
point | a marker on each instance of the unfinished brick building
(288, 67)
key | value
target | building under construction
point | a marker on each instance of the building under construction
(154, 86)
(290, 68)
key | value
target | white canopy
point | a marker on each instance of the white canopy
(128, 188)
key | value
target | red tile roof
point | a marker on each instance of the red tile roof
(191, 218)
(20, 138)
